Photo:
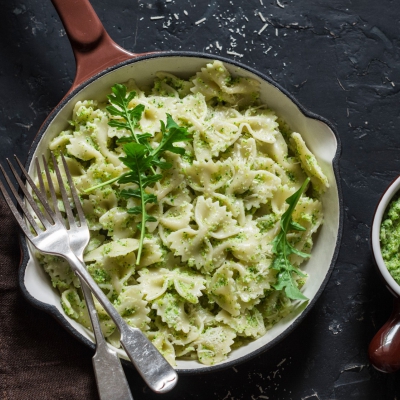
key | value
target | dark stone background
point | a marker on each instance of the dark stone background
(341, 60)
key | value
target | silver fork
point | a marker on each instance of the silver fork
(110, 377)
(53, 238)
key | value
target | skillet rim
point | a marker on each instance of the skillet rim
(53, 311)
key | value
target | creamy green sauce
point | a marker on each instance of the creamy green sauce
(390, 238)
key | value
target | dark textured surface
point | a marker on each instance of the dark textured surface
(341, 60)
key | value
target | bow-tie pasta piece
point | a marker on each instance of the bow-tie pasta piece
(245, 151)
(154, 282)
(83, 149)
(176, 197)
(170, 307)
(222, 290)
(214, 344)
(74, 306)
(177, 217)
(152, 252)
(112, 264)
(235, 287)
(118, 223)
(161, 341)
(155, 110)
(115, 248)
(308, 213)
(61, 274)
(278, 202)
(188, 285)
(252, 280)
(208, 177)
(113, 273)
(261, 124)
(181, 339)
(96, 174)
(309, 163)
(256, 187)
(171, 179)
(195, 246)
(91, 137)
(246, 245)
(97, 204)
(215, 82)
(233, 204)
(274, 306)
(218, 133)
(192, 109)
(215, 219)
(132, 308)
(166, 83)
(60, 141)
(250, 323)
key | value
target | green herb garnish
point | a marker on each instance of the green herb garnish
(130, 116)
(141, 158)
(283, 249)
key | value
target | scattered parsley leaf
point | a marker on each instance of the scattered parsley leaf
(283, 249)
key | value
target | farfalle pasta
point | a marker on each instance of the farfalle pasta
(204, 283)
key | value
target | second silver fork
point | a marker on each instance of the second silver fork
(110, 376)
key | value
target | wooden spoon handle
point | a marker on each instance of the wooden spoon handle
(93, 48)
(384, 349)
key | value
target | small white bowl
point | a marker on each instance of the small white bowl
(384, 349)
(390, 192)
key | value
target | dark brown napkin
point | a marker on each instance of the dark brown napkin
(38, 359)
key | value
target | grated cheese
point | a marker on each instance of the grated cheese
(279, 4)
(200, 21)
(233, 53)
(262, 29)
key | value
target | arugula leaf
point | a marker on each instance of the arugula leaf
(120, 108)
(141, 158)
(136, 159)
(171, 133)
(283, 249)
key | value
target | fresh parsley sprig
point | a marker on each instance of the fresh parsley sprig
(283, 249)
(140, 157)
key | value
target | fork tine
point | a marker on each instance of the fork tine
(41, 196)
(40, 177)
(51, 186)
(75, 196)
(28, 196)
(14, 210)
(67, 206)
(42, 187)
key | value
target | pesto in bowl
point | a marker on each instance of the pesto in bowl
(390, 238)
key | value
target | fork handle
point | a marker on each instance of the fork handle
(151, 365)
(110, 376)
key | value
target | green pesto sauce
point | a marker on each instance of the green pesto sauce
(390, 238)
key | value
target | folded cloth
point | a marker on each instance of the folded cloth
(38, 358)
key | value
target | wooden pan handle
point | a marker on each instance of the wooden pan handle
(93, 48)
(384, 349)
